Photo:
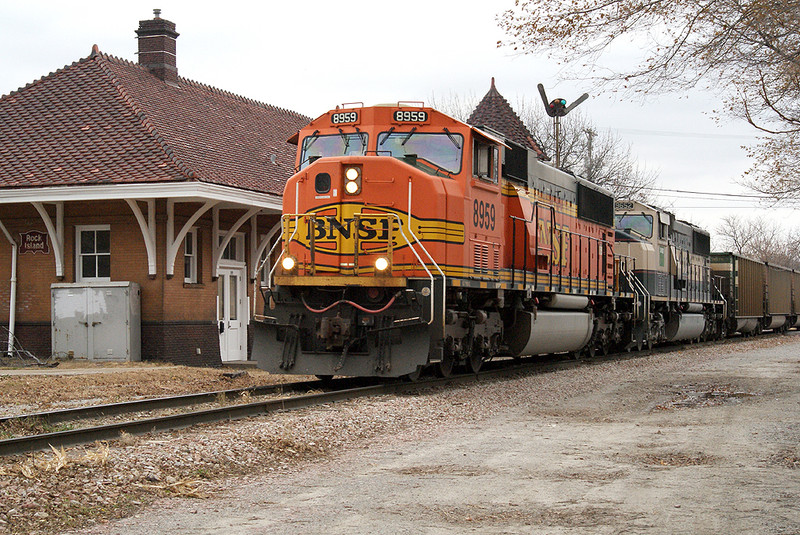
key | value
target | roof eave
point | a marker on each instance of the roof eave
(185, 191)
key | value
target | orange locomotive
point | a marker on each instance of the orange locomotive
(410, 239)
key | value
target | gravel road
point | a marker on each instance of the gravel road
(699, 441)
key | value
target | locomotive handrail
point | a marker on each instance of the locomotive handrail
(601, 244)
(535, 219)
(278, 260)
(287, 218)
(638, 288)
(444, 278)
(719, 294)
(645, 314)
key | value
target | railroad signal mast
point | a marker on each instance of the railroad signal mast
(557, 108)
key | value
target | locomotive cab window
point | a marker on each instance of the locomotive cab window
(316, 146)
(485, 163)
(433, 153)
(641, 224)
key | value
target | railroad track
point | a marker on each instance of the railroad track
(343, 390)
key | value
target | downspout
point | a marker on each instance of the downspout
(12, 304)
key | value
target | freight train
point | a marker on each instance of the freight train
(412, 240)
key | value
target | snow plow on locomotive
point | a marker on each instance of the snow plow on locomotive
(411, 239)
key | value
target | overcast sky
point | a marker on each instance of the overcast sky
(309, 56)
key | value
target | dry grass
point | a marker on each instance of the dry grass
(20, 394)
(676, 459)
(35, 465)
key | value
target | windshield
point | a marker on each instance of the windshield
(316, 146)
(442, 150)
(639, 223)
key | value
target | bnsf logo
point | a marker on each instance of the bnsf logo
(337, 229)
(367, 229)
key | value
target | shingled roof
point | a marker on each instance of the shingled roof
(105, 120)
(495, 112)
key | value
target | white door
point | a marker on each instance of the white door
(230, 314)
(107, 324)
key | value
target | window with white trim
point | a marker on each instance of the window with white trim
(235, 248)
(190, 257)
(266, 265)
(93, 253)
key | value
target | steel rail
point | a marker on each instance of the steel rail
(86, 435)
(149, 404)
(73, 437)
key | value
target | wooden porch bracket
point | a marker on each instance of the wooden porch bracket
(174, 242)
(148, 229)
(56, 231)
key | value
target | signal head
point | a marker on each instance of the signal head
(557, 107)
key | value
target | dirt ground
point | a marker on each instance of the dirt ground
(707, 441)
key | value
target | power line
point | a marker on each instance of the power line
(743, 195)
(638, 132)
(704, 197)
(739, 207)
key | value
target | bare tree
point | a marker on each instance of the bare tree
(455, 105)
(748, 52)
(759, 239)
(598, 156)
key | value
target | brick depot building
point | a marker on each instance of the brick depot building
(121, 173)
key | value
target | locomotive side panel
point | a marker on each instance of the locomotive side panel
(722, 267)
(485, 211)
(555, 244)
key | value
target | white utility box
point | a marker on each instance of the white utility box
(98, 321)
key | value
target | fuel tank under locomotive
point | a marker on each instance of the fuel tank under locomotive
(684, 327)
(566, 325)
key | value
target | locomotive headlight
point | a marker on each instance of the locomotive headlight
(288, 263)
(352, 180)
(382, 264)
(351, 187)
(351, 173)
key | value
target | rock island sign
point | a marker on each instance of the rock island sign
(33, 242)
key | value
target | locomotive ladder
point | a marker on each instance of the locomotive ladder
(641, 305)
(719, 295)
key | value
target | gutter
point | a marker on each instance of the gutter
(12, 305)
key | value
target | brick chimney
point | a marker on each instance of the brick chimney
(157, 47)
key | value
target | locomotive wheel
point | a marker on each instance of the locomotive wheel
(591, 350)
(474, 362)
(605, 344)
(639, 344)
(445, 367)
